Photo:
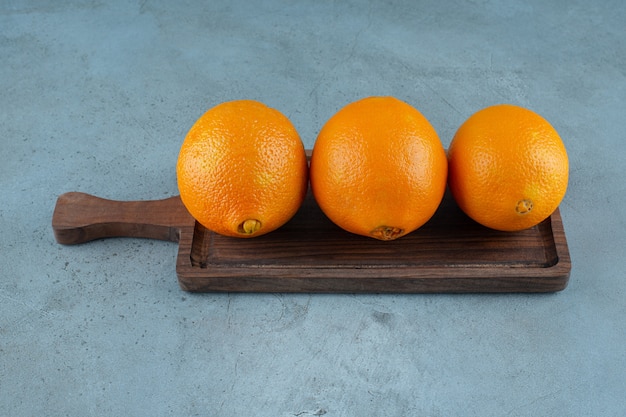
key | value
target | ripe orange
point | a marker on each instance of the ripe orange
(242, 170)
(378, 168)
(508, 168)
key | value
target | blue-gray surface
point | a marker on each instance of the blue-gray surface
(97, 97)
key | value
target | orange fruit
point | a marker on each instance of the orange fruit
(508, 168)
(242, 170)
(378, 168)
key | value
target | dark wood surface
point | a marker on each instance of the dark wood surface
(451, 253)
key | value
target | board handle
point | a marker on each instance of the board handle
(80, 217)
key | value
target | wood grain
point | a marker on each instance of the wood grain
(451, 253)
(80, 217)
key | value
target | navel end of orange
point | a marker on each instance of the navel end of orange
(386, 233)
(524, 206)
(249, 226)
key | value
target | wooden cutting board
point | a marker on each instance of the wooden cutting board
(450, 254)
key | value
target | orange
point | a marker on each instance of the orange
(378, 168)
(508, 168)
(242, 170)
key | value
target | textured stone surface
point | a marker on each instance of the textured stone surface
(97, 97)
